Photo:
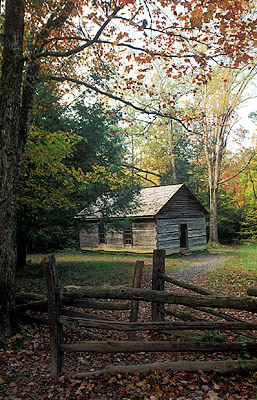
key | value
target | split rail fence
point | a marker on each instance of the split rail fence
(205, 302)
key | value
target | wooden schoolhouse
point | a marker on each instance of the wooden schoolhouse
(167, 217)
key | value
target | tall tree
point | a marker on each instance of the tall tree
(64, 38)
(218, 99)
(11, 145)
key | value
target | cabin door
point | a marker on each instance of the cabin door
(183, 236)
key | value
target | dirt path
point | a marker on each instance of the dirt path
(204, 264)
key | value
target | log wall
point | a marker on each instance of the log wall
(182, 205)
(143, 237)
(88, 235)
(144, 234)
(168, 234)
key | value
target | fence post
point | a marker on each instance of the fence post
(135, 304)
(158, 283)
(54, 307)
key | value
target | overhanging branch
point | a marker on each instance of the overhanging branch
(140, 170)
(116, 98)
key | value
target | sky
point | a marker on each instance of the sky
(244, 111)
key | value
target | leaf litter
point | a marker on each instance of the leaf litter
(25, 368)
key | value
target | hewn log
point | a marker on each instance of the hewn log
(97, 305)
(54, 307)
(220, 367)
(39, 302)
(125, 293)
(82, 315)
(152, 326)
(227, 317)
(252, 291)
(22, 297)
(40, 305)
(158, 283)
(155, 347)
(137, 280)
(187, 285)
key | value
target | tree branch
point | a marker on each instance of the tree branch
(146, 179)
(140, 170)
(252, 182)
(114, 97)
(239, 172)
(84, 46)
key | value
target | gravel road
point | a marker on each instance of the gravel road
(203, 265)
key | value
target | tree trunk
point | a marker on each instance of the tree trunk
(214, 237)
(21, 249)
(173, 154)
(10, 92)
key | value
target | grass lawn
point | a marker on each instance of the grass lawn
(238, 272)
(76, 268)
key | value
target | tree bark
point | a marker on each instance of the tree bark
(10, 92)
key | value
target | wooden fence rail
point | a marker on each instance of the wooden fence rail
(83, 296)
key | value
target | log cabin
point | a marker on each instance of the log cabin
(167, 217)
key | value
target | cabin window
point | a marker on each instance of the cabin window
(102, 235)
(127, 236)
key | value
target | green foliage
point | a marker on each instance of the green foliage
(229, 216)
(44, 171)
(249, 224)
(72, 156)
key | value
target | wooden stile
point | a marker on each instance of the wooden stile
(135, 304)
(58, 317)
(54, 308)
(158, 283)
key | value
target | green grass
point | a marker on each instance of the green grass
(76, 268)
(238, 272)
(89, 268)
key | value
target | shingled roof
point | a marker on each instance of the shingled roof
(150, 202)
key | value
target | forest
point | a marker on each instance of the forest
(104, 97)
